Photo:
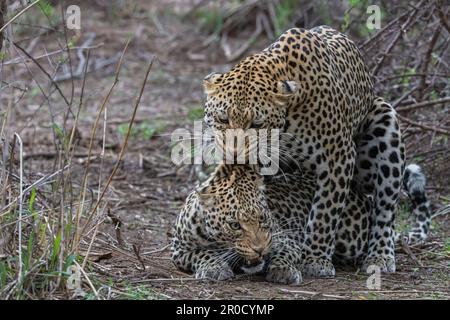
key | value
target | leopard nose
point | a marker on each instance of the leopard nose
(259, 250)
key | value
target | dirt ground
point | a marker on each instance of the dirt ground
(132, 261)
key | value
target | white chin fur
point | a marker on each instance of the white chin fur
(253, 269)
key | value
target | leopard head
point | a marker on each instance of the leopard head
(236, 214)
(254, 94)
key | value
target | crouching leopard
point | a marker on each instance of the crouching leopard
(237, 221)
(313, 86)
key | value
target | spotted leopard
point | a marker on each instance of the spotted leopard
(314, 86)
(238, 221)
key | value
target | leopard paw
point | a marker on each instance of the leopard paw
(318, 268)
(215, 273)
(386, 264)
(283, 274)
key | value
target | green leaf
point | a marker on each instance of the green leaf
(34, 92)
(29, 252)
(3, 274)
(60, 134)
(69, 261)
(56, 247)
(346, 21)
(31, 203)
(46, 8)
(146, 130)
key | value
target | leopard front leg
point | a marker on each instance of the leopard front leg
(333, 182)
(205, 264)
(285, 262)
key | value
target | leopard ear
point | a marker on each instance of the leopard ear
(260, 182)
(285, 90)
(222, 177)
(211, 83)
(287, 87)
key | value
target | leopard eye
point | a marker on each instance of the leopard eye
(235, 225)
(223, 119)
(257, 124)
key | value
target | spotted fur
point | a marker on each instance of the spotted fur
(414, 183)
(236, 222)
(314, 86)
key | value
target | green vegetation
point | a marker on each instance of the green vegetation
(144, 130)
(284, 12)
(447, 246)
(210, 19)
(195, 114)
(404, 212)
(141, 293)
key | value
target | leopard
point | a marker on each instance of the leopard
(313, 86)
(239, 221)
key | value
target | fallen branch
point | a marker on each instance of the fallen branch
(408, 251)
(117, 227)
(314, 294)
(423, 104)
(425, 127)
(136, 250)
(157, 250)
(441, 212)
(168, 280)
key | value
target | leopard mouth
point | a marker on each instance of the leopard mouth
(253, 267)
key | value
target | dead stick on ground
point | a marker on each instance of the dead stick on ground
(400, 291)
(423, 104)
(117, 226)
(408, 251)
(157, 250)
(137, 252)
(312, 293)
(414, 123)
(169, 280)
